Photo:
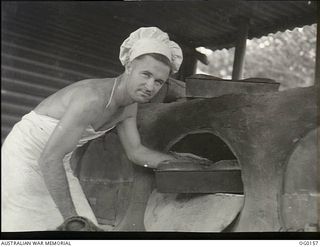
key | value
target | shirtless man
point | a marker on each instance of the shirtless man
(39, 191)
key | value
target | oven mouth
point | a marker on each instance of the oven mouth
(213, 198)
(203, 143)
(223, 175)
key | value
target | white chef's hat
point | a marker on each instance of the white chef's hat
(150, 40)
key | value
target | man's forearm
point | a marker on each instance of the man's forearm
(149, 158)
(56, 181)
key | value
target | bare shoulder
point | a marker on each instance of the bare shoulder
(91, 92)
(84, 98)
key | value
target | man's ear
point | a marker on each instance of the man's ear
(128, 68)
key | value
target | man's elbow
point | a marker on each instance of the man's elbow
(47, 160)
(134, 154)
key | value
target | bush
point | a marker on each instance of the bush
(287, 57)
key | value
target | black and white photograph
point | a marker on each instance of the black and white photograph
(160, 119)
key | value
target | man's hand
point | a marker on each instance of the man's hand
(185, 161)
(189, 157)
(78, 223)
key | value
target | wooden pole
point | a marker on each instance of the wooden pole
(240, 50)
(189, 64)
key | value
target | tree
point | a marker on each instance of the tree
(287, 57)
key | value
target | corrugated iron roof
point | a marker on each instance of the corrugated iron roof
(211, 24)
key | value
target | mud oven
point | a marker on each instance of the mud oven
(270, 135)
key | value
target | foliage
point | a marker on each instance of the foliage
(287, 57)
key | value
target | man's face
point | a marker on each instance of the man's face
(146, 77)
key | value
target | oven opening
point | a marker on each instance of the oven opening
(217, 192)
(206, 145)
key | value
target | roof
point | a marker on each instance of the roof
(212, 24)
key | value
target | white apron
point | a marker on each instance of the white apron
(26, 204)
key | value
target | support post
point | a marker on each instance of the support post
(240, 50)
(189, 64)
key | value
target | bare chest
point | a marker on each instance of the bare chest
(108, 118)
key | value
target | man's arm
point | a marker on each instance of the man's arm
(136, 152)
(62, 141)
(141, 155)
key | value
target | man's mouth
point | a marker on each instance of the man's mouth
(145, 94)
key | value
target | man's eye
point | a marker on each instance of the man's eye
(159, 82)
(146, 75)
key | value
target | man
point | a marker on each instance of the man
(39, 191)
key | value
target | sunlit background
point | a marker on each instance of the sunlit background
(286, 57)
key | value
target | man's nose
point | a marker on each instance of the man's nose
(149, 84)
